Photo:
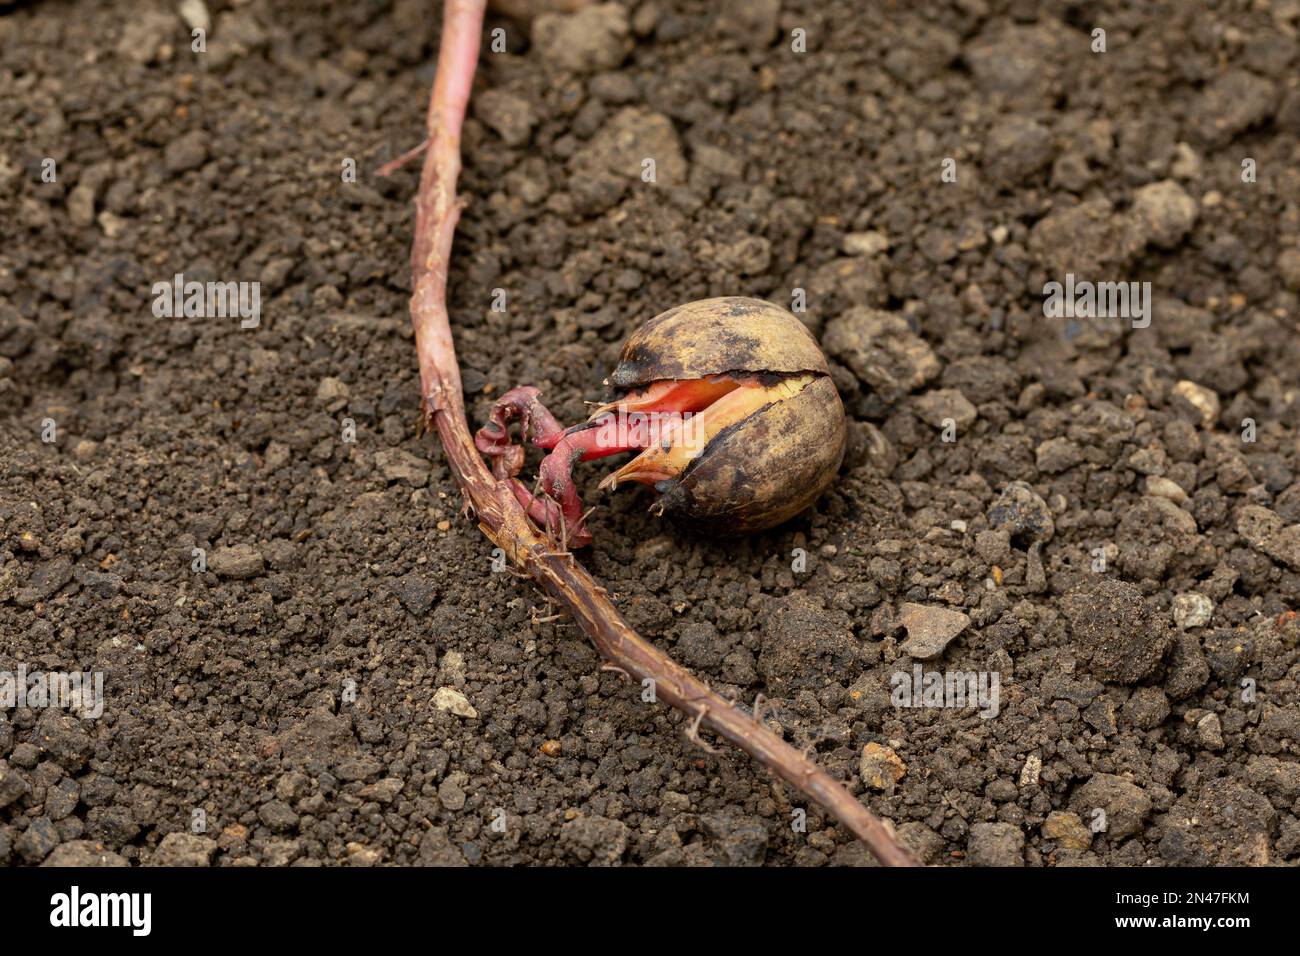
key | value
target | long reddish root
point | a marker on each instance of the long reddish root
(493, 501)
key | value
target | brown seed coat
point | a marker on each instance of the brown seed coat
(765, 469)
(712, 336)
(771, 465)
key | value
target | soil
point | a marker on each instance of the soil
(349, 682)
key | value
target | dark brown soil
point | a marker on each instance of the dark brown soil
(1132, 730)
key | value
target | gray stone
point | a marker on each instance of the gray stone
(332, 394)
(511, 117)
(1024, 514)
(12, 784)
(454, 702)
(1192, 610)
(938, 404)
(995, 844)
(1163, 213)
(594, 38)
(1204, 400)
(881, 350)
(1209, 731)
(1115, 630)
(1125, 804)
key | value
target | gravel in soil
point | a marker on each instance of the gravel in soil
(307, 657)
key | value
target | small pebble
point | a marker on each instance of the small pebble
(453, 701)
(1023, 513)
(880, 767)
(1164, 212)
(864, 243)
(195, 14)
(240, 562)
(1067, 830)
(1204, 400)
(1209, 731)
(1030, 771)
(332, 394)
(995, 844)
(1162, 487)
(929, 629)
(1192, 610)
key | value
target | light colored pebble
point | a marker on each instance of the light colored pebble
(1192, 610)
(1204, 400)
(454, 702)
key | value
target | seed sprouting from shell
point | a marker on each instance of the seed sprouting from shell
(729, 403)
(772, 442)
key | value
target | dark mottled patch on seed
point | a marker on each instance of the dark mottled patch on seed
(739, 346)
(740, 306)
